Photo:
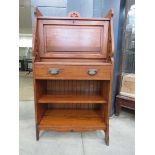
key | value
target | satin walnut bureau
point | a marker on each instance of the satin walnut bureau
(72, 72)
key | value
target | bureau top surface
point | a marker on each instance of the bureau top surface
(72, 62)
(71, 18)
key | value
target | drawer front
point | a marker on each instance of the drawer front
(69, 72)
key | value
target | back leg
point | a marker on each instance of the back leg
(37, 134)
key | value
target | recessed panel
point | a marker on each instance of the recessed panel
(72, 38)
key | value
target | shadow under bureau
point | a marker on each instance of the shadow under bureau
(72, 72)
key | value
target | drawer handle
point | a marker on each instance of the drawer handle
(54, 71)
(92, 71)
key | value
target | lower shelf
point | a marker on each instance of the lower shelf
(72, 120)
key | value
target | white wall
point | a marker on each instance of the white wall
(25, 46)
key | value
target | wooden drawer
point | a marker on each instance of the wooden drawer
(72, 72)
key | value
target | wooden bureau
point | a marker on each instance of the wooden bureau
(72, 72)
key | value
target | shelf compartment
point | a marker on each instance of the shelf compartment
(72, 120)
(72, 99)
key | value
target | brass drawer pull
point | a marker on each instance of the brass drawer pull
(92, 71)
(54, 71)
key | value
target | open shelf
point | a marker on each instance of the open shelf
(71, 99)
(72, 120)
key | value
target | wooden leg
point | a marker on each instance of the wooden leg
(37, 134)
(107, 136)
(118, 107)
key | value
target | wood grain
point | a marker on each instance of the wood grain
(71, 72)
(72, 120)
(68, 99)
(72, 38)
(124, 101)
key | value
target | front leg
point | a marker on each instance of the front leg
(107, 136)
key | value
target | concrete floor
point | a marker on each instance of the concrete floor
(25, 86)
(122, 136)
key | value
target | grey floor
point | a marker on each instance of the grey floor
(122, 130)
